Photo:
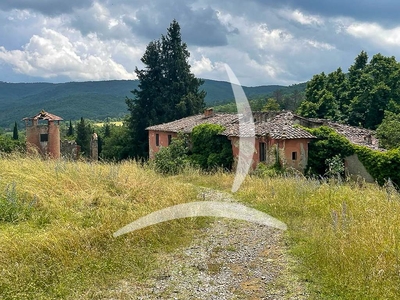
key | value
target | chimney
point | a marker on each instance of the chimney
(208, 112)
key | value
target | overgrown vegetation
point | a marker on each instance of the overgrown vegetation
(326, 153)
(328, 144)
(210, 149)
(174, 158)
(8, 144)
(205, 148)
(382, 166)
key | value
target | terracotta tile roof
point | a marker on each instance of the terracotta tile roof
(356, 135)
(279, 125)
(187, 124)
(275, 129)
(44, 115)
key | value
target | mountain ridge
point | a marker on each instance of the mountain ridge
(96, 99)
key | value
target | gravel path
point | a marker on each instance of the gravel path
(231, 259)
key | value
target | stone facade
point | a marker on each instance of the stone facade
(43, 134)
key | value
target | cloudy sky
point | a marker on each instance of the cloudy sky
(263, 41)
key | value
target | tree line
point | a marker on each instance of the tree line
(367, 96)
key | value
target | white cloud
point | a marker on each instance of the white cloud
(265, 38)
(302, 18)
(53, 54)
(319, 45)
(202, 65)
(375, 33)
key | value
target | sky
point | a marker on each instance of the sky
(263, 41)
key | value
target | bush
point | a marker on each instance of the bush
(8, 145)
(174, 158)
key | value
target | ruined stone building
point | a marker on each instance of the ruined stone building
(274, 135)
(43, 134)
(273, 131)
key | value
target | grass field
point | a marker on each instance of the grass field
(57, 219)
(116, 123)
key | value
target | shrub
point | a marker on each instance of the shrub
(174, 158)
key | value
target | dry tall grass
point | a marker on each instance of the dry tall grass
(57, 219)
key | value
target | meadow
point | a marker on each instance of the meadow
(57, 219)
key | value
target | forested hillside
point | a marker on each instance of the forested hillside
(94, 99)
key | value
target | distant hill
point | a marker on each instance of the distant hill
(95, 99)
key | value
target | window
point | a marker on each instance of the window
(169, 139)
(294, 155)
(263, 152)
(44, 137)
(157, 139)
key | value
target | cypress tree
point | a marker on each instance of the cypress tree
(70, 129)
(167, 89)
(15, 131)
(83, 137)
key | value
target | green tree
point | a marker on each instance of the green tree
(83, 137)
(107, 130)
(15, 132)
(114, 146)
(355, 72)
(271, 105)
(8, 144)
(70, 131)
(167, 89)
(388, 131)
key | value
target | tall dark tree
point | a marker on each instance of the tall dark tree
(83, 137)
(70, 129)
(15, 131)
(167, 89)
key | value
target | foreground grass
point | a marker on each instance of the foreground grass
(344, 236)
(57, 219)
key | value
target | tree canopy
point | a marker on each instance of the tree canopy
(359, 97)
(167, 89)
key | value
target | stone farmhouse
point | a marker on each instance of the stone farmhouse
(273, 131)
